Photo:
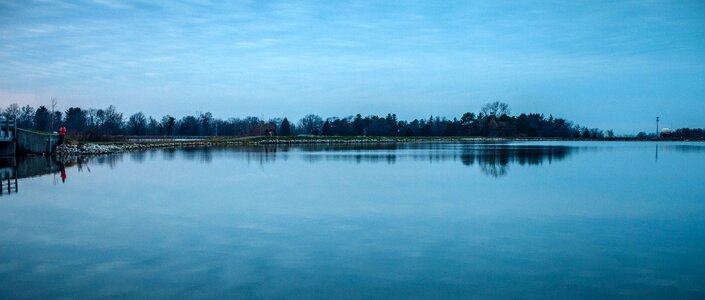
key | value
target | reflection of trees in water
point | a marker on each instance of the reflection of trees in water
(138, 156)
(682, 148)
(495, 160)
(168, 153)
(111, 160)
(202, 154)
(14, 168)
(492, 159)
(357, 158)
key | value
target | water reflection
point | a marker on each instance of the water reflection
(495, 160)
(14, 168)
(8, 176)
(491, 159)
(362, 221)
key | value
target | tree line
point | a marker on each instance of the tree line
(493, 120)
(688, 133)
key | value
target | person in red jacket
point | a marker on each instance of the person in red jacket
(62, 169)
(62, 133)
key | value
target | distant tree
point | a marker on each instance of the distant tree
(496, 109)
(425, 130)
(689, 133)
(26, 118)
(152, 126)
(359, 125)
(576, 133)
(112, 121)
(326, 130)
(493, 120)
(310, 124)
(492, 127)
(285, 128)
(91, 118)
(188, 125)
(467, 119)
(610, 134)
(205, 121)
(56, 118)
(596, 133)
(12, 111)
(392, 124)
(168, 125)
(586, 133)
(42, 119)
(137, 124)
(453, 128)
(377, 126)
(75, 119)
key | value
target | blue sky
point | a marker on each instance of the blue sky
(601, 64)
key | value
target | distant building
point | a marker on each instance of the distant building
(665, 132)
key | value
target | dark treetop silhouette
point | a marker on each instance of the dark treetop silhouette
(493, 120)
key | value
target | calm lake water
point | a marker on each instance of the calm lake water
(516, 220)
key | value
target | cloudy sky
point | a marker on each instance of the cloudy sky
(601, 64)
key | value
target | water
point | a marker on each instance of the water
(518, 220)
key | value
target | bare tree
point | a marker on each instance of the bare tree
(53, 111)
(137, 124)
(26, 117)
(12, 110)
(496, 109)
(311, 124)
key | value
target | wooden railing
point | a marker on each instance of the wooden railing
(8, 181)
(8, 128)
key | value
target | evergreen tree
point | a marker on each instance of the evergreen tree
(285, 128)
(75, 119)
(42, 119)
(326, 128)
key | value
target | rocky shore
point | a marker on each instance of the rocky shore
(88, 149)
(71, 150)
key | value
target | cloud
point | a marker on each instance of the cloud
(316, 53)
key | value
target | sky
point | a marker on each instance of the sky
(612, 64)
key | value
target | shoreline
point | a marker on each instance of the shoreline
(75, 149)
